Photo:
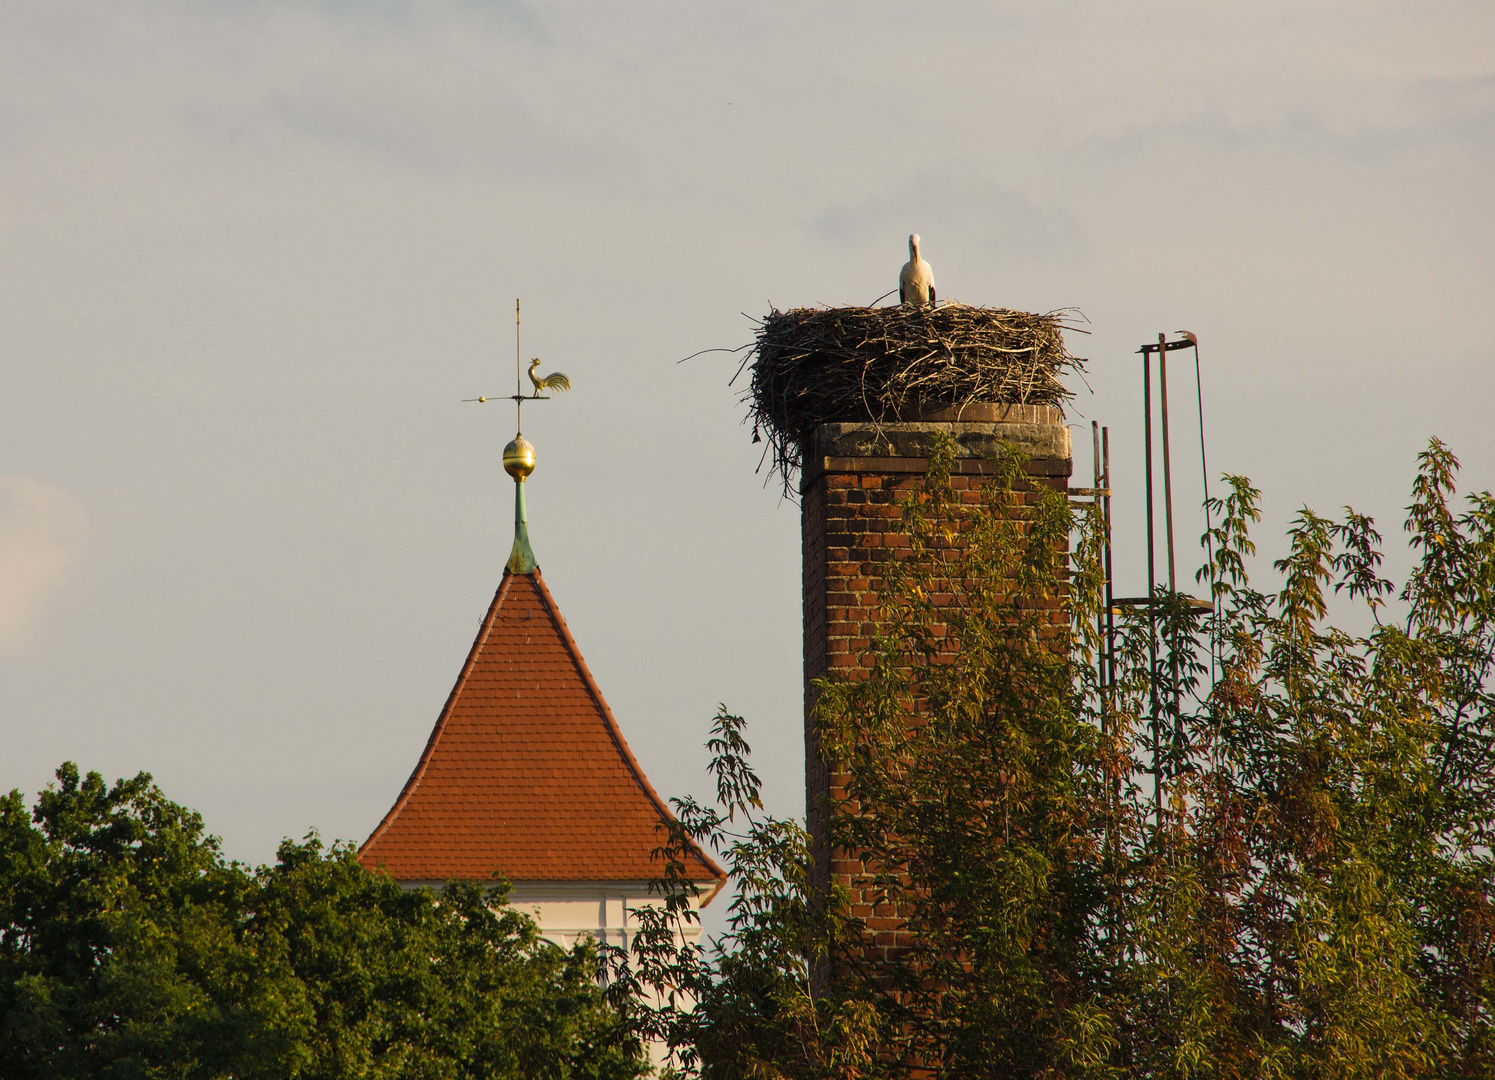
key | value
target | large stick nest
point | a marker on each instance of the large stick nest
(812, 366)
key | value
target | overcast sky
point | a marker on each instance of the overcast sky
(253, 254)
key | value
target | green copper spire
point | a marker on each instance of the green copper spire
(521, 558)
(519, 462)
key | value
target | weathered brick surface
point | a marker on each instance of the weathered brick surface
(852, 528)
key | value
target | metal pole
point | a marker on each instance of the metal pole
(1177, 733)
(1105, 444)
(1167, 458)
(1108, 679)
(1209, 538)
(1100, 616)
(1152, 615)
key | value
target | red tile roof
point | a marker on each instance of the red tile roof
(526, 773)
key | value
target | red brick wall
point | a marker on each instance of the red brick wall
(851, 518)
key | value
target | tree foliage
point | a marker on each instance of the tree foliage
(1245, 843)
(129, 947)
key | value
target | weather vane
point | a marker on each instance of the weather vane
(555, 382)
(519, 455)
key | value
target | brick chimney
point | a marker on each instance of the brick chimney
(853, 476)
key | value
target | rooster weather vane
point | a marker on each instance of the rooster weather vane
(556, 382)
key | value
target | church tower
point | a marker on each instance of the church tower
(527, 774)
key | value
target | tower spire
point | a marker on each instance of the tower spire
(519, 454)
(519, 462)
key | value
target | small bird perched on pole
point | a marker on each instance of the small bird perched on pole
(555, 381)
(916, 281)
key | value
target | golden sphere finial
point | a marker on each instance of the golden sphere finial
(519, 458)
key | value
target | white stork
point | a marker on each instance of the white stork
(916, 280)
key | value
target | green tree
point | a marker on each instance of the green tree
(1253, 845)
(129, 947)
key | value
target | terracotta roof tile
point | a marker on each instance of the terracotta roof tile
(526, 773)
